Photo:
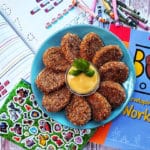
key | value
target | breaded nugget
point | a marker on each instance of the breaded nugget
(70, 46)
(101, 109)
(78, 111)
(113, 92)
(57, 100)
(48, 80)
(115, 71)
(90, 43)
(54, 58)
(107, 53)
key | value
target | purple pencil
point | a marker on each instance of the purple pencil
(93, 7)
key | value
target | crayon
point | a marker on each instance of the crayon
(106, 5)
(133, 14)
(123, 15)
(108, 9)
(141, 24)
(123, 20)
(127, 7)
(109, 13)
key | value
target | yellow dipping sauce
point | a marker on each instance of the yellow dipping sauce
(83, 84)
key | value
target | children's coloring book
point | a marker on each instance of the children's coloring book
(36, 20)
(130, 131)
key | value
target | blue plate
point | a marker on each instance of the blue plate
(81, 30)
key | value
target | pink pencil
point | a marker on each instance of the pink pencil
(92, 9)
(88, 10)
(114, 4)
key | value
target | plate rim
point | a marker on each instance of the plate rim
(118, 110)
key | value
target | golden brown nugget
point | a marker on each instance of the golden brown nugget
(115, 71)
(113, 92)
(54, 58)
(57, 100)
(101, 109)
(78, 111)
(107, 53)
(90, 43)
(48, 80)
(70, 46)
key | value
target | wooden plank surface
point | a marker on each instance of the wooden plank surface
(6, 145)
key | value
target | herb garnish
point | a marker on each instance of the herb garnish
(82, 66)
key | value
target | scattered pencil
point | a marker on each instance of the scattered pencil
(116, 18)
(108, 8)
(125, 14)
(118, 12)
(85, 8)
(133, 14)
(127, 7)
(93, 7)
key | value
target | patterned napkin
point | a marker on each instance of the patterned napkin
(25, 124)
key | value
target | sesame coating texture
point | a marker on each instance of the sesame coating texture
(107, 53)
(113, 92)
(54, 58)
(57, 100)
(90, 43)
(48, 80)
(114, 70)
(78, 111)
(101, 109)
(70, 46)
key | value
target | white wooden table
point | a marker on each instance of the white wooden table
(6, 145)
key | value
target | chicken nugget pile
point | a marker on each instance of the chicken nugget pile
(81, 109)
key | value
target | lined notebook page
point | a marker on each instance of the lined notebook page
(15, 59)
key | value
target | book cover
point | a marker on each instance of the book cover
(130, 131)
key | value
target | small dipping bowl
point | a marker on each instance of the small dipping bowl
(82, 85)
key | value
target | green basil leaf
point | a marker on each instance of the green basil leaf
(90, 73)
(81, 64)
(74, 72)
